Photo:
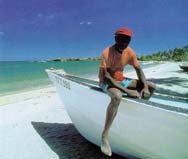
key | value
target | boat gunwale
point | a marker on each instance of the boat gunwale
(125, 97)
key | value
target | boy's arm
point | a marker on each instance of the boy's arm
(142, 78)
(115, 84)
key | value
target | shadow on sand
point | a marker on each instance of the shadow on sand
(182, 82)
(67, 143)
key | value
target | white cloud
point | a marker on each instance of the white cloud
(89, 23)
(81, 23)
(85, 23)
(2, 33)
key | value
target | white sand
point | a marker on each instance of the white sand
(20, 140)
(18, 137)
(168, 77)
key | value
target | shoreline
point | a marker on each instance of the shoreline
(25, 95)
(162, 78)
(26, 87)
(25, 90)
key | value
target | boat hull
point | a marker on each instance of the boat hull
(139, 130)
(185, 68)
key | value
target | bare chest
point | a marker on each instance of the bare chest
(117, 61)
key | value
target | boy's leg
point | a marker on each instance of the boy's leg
(111, 112)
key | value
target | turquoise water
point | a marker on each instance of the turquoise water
(21, 76)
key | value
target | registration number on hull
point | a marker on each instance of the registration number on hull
(63, 83)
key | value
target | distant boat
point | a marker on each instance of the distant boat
(184, 67)
(156, 129)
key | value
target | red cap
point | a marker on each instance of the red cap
(124, 31)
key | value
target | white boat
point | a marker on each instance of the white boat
(142, 129)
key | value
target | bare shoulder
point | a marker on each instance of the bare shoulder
(130, 50)
(106, 52)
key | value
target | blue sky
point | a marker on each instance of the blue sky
(42, 29)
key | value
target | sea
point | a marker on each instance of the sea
(20, 76)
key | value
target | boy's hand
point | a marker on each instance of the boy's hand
(145, 93)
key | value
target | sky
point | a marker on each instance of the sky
(43, 29)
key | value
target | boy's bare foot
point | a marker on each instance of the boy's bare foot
(105, 147)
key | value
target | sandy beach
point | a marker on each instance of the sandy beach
(168, 77)
(35, 125)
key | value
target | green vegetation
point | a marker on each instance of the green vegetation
(73, 59)
(178, 54)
